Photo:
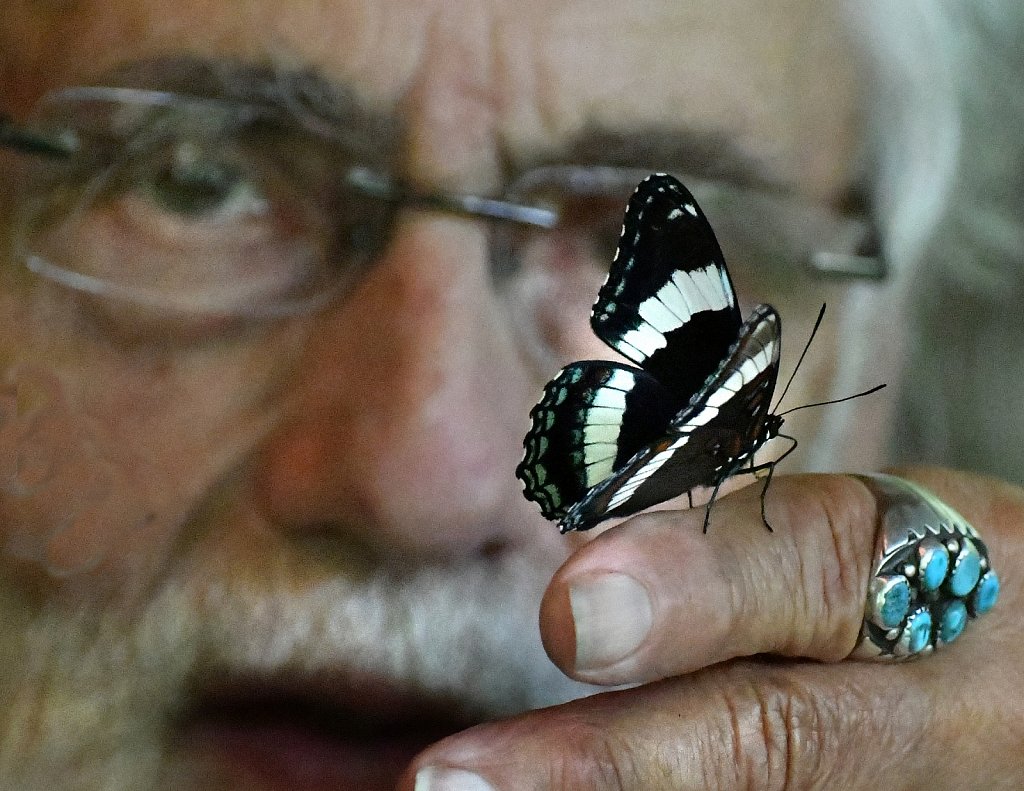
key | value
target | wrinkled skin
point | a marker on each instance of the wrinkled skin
(757, 723)
(324, 508)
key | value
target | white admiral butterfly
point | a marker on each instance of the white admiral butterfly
(609, 440)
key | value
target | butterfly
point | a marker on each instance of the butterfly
(609, 439)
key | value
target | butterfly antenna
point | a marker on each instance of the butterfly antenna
(874, 389)
(814, 331)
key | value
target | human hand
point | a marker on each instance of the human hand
(711, 710)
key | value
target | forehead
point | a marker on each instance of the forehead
(479, 82)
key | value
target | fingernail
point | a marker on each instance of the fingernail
(612, 615)
(440, 778)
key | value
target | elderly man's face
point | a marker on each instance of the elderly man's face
(293, 552)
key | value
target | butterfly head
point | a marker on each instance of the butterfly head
(771, 428)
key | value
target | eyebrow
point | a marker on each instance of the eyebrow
(682, 151)
(327, 107)
(377, 137)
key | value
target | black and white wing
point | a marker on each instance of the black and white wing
(719, 431)
(593, 417)
(668, 303)
(609, 440)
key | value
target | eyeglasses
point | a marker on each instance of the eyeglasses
(188, 205)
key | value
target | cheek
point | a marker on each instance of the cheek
(63, 496)
(105, 454)
(550, 299)
(562, 319)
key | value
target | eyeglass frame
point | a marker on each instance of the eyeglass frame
(864, 264)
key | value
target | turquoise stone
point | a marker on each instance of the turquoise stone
(986, 594)
(966, 570)
(917, 633)
(933, 563)
(891, 600)
(953, 621)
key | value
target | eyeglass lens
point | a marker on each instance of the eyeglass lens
(196, 206)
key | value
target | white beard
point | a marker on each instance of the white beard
(91, 695)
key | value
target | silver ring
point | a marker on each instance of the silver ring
(930, 574)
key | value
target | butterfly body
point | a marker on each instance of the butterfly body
(609, 439)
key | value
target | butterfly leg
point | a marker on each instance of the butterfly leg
(689, 496)
(711, 502)
(749, 468)
(764, 491)
(770, 466)
(789, 450)
(753, 469)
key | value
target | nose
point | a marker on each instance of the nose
(406, 422)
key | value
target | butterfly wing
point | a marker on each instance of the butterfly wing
(668, 303)
(738, 397)
(592, 418)
(709, 440)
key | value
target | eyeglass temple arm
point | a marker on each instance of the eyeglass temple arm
(21, 139)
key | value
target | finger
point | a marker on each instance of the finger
(745, 726)
(655, 597)
(945, 722)
(992, 505)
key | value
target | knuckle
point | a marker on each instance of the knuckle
(834, 567)
(772, 736)
(598, 758)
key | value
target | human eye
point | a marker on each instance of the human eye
(770, 240)
(187, 217)
(195, 185)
